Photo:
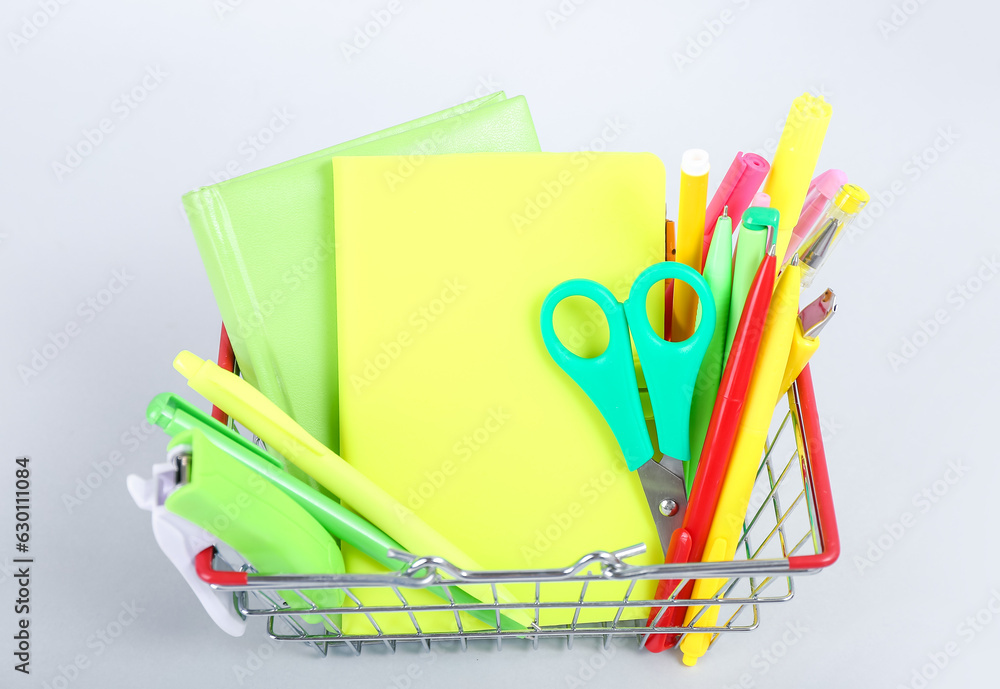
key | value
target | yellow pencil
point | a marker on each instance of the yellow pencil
(690, 237)
(727, 525)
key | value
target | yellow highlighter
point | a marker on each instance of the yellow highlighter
(812, 319)
(690, 237)
(245, 403)
(794, 162)
(751, 435)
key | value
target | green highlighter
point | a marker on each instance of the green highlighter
(749, 253)
(236, 505)
(718, 274)
(177, 416)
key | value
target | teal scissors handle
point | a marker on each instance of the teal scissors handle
(670, 368)
(609, 378)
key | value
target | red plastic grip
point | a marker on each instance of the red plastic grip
(815, 474)
(203, 566)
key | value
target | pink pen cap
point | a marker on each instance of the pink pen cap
(742, 180)
(823, 188)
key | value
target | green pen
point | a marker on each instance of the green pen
(719, 275)
(749, 253)
(176, 415)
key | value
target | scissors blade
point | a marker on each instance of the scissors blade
(663, 483)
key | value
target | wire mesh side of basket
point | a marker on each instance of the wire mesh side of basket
(598, 596)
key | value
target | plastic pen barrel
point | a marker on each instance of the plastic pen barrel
(795, 160)
(718, 444)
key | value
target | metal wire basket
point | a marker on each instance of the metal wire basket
(790, 529)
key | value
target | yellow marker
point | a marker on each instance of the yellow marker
(805, 341)
(795, 161)
(727, 525)
(690, 237)
(245, 403)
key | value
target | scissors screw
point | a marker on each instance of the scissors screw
(668, 507)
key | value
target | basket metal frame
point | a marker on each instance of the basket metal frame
(748, 583)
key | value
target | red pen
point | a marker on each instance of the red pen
(688, 542)
(227, 360)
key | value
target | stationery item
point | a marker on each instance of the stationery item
(243, 402)
(227, 360)
(821, 190)
(751, 436)
(690, 230)
(181, 541)
(795, 160)
(276, 536)
(812, 319)
(735, 194)
(688, 542)
(447, 392)
(837, 215)
(609, 380)
(267, 241)
(668, 286)
(749, 254)
(718, 273)
(176, 416)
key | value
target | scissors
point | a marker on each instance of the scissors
(670, 369)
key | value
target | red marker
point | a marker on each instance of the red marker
(688, 542)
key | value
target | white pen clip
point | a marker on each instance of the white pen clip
(180, 541)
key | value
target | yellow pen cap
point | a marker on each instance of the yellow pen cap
(851, 198)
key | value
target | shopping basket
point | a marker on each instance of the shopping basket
(790, 529)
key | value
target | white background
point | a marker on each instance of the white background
(891, 431)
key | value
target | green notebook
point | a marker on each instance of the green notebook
(267, 241)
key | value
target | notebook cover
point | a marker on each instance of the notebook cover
(449, 399)
(267, 242)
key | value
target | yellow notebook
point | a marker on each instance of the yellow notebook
(449, 399)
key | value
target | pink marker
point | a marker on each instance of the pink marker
(742, 180)
(823, 188)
